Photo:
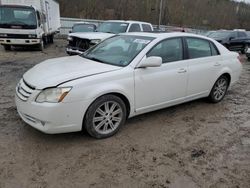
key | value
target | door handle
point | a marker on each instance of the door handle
(217, 64)
(182, 70)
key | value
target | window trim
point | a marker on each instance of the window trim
(183, 48)
(209, 42)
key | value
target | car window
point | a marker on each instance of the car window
(214, 50)
(169, 50)
(135, 28)
(233, 35)
(198, 48)
(241, 34)
(146, 27)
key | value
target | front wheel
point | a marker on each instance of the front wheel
(41, 46)
(219, 89)
(105, 116)
(244, 51)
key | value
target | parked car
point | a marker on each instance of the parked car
(124, 76)
(207, 34)
(28, 23)
(248, 51)
(80, 42)
(83, 27)
(233, 40)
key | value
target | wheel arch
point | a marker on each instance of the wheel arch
(228, 76)
(115, 93)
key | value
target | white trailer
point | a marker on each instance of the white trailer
(28, 22)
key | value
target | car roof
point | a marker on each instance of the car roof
(87, 23)
(166, 35)
(128, 21)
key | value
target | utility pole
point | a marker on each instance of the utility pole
(160, 13)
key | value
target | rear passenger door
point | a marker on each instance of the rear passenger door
(204, 64)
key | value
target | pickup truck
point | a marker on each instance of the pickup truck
(236, 40)
(80, 42)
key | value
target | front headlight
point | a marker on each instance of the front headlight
(95, 41)
(32, 36)
(69, 38)
(53, 95)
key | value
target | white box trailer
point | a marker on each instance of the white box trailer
(28, 22)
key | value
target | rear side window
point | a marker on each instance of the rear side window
(198, 48)
(135, 28)
(146, 27)
(241, 34)
(169, 50)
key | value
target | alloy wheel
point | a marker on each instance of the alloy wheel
(107, 117)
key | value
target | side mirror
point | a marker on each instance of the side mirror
(70, 31)
(153, 61)
(231, 38)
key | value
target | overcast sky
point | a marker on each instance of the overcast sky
(247, 1)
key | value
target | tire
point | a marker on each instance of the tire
(244, 51)
(51, 39)
(41, 45)
(7, 47)
(219, 89)
(105, 116)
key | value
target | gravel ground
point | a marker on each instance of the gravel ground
(196, 144)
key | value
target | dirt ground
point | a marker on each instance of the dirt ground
(191, 145)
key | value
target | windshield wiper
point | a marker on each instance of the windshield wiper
(93, 58)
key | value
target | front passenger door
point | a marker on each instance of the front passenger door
(157, 87)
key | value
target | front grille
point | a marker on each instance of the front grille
(16, 36)
(24, 90)
(79, 44)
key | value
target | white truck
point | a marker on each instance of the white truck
(28, 22)
(82, 41)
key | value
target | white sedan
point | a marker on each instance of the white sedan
(124, 76)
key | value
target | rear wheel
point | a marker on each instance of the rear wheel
(105, 116)
(7, 47)
(219, 89)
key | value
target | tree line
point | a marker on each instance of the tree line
(209, 14)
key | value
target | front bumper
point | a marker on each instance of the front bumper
(52, 118)
(74, 50)
(10, 41)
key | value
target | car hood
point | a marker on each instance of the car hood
(92, 35)
(54, 72)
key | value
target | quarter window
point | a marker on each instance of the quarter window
(198, 48)
(214, 50)
(146, 27)
(169, 50)
(135, 28)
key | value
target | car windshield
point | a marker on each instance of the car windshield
(220, 34)
(119, 50)
(18, 17)
(83, 28)
(113, 27)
